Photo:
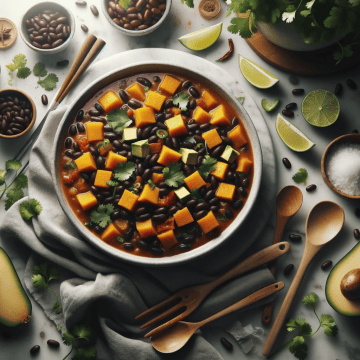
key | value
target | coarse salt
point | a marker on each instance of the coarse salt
(343, 167)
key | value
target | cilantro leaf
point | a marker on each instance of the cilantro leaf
(173, 175)
(21, 182)
(243, 26)
(298, 347)
(118, 119)
(189, 3)
(18, 62)
(124, 170)
(241, 100)
(301, 325)
(301, 176)
(152, 185)
(181, 100)
(85, 353)
(30, 209)
(39, 281)
(23, 73)
(13, 165)
(54, 273)
(124, 3)
(39, 70)
(310, 299)
(57, 307)
(112, 183)
(222, 217)
(49, 83)
(83, 332)
(2, 176)
(101, 215)
(41, 269)
(196, 195)
(68, 338)
(120, 239)
(12, 196)
(328, 323)
(207, 166)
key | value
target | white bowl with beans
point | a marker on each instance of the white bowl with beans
(141, 17)
(47, 27)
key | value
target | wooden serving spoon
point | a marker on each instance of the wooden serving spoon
(324, 222)
(175, 337)
(288, 203)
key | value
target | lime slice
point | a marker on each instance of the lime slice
(320, 108)
(256, 75)
(269, 105)
(292, 136)
(201, 39)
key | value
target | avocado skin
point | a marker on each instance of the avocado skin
(334, 296)
(14, 278)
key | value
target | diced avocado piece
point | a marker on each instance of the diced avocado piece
(230, 154)
(189, 156)
(140, 148)
(182, 194)
(129, 134)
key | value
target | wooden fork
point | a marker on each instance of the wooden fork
(191, 297)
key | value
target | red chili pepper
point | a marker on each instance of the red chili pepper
(229, 53)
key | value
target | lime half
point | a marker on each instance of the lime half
(269, 105)
(201, 39)
(320, 108)
(292, 136)
(256, 75)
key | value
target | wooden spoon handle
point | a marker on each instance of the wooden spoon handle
(80, 57)
(251, 299)
(94, 52)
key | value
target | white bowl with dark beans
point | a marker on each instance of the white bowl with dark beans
(47, 27)
(141, 17)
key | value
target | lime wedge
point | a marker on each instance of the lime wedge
(292, 136)
(256, 75)
(320, 108)
(201, 39)
(269, 105)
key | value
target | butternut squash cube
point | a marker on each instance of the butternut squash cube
(208, 222)
(157, 178)
(110, 233)
(194, 181)
(87, 200)
(144, 116)
(209, 99)
(168, 156)
(85, 163)
(225, 191)
(169, 84)
(102, 177)
(136, 91)
(128, 200)
(244, 165)
(145, 228)
(220, 117)
(113, 159)
(221, 170)
(176, 126)
(169, 224)
(168, 239)
(236, 136)
(168, 200)
(155, 100)
(183, 217)
(149, 195)
(155, 148)
(201, 116)
(110, 101)
(212, 138)
(94, 131)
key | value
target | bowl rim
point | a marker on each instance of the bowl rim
(32, 122)
(339, 140)
(54, 50)
(136, 32)
(93, 88)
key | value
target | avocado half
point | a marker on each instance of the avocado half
(333, 292)
(15, 305)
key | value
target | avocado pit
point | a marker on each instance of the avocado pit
(350, 285)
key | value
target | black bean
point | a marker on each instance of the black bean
(80, 127)
(134, 104)
(202, 151)
(157, 250)
(217, 151)
(351, 84)
(201, 206)
(72, 130)
(68, 142)
(200, 214)
(298, 91)
(311, 187)
(234, 121)
(295, 237)
(214, 208)
(291, 106)
(147, 175)
(194, 92)
(288, 269)
(192, 104)
(158, 169)
(228, 345)
(173, 210)
(76, 147)
(243, 191)
(357, 234)
(209, 195)
(288, 113)
(94, 112)
(44, 99)
(144, 81)
(161, 210)
(80, 115)
(62, 63)
(117, 144)
(99, 108)
(69, 153)
(35, 349)
(115, 215)
(144, 217)
(163, 192)
(205, 127)
(100, 162)
(230, 175)
(128, 246)
(143, 244)
(175, 143)
(160, 118)
(184, 247)
(94, 10)
(326, 264)
(156, 79)
(189, 239)
(186, 84)
(153, 139)
(229, 214)
(338, 89)
(84, 28)
(159, 218)
(123, 96)
(286, 163)
(126, 147)
(53, 343)
(129, 234)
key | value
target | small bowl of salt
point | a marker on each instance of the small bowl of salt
(340, 166)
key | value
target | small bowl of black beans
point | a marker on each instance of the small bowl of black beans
(141, 17)
(47, 27)
(17, 113)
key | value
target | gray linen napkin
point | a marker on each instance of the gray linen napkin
(111, 293)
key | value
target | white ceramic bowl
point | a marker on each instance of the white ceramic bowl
(139, 68)
(46, 5)
(105, 6)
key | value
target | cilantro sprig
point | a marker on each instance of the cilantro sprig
(207, 166)
(14, 191)
(101, 216)
(30, 209)
(18, 63)
(43, 273)
(124, 170)
(173, 175)
(118, 119)
(181, 100)
(297, 345)
(301, 176)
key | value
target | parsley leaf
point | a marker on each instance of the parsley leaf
(189, 3)
(207, 166)
(30, 209)
(49, 83)
(173, 175)
(101, 215)
(118, 119)
(23, 73)
(39, 70)
(181, 100)
(124, 170)
(301, 176)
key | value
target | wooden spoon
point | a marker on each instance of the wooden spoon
(174, 338)
(324, 222)
(288, 203)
